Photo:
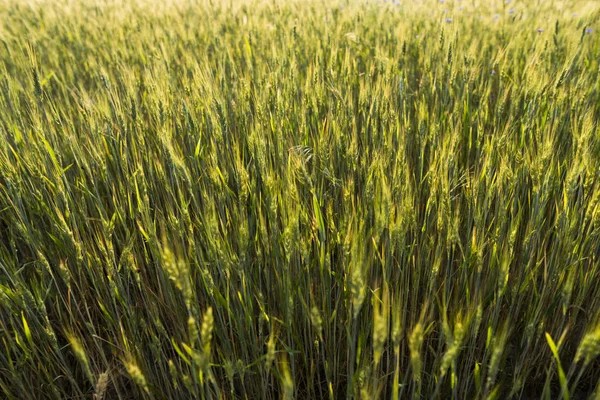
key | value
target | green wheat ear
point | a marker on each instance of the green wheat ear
(81, 355)
(137, 376)
(589, 347)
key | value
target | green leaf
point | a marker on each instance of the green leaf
(561, 373)
(27, 330)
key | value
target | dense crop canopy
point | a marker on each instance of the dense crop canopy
(299, 199)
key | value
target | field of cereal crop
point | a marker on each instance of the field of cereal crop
(269, 199)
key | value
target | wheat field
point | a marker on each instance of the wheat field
(269, 199)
